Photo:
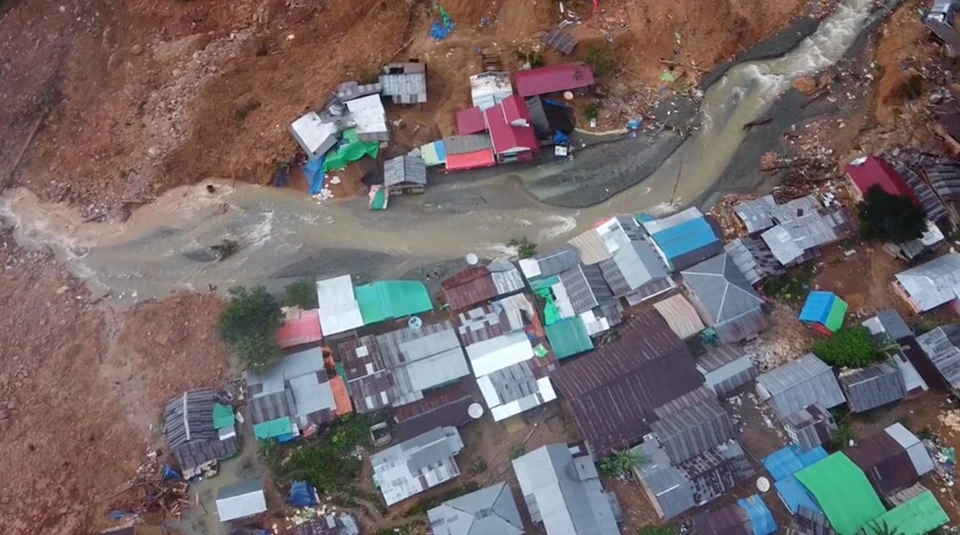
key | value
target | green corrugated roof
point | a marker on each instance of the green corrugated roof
(569, 337)
(843, 492)
(837, 313)
(543, 282)
(273, 428)
(918, 516)
(386, 300)
(223, 416)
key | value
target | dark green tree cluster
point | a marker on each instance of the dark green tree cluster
(249, 323)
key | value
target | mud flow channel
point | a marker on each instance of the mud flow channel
(284, 235)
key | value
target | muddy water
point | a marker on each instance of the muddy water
(283, 235)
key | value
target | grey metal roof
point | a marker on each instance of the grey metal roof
(415, 465)
(189, 431)
(942, 347)
(241, 500)
(726, 299)
(754, 259)
(791, 240)
(560, 40)
(872, 387)
(405, 83)
(579, 288)
(351, 90)
(467, 144)
(693, 430)
(932, 284)
(944, 177)
(664, 482)
(919, 456)
(568, 500)
(810, 427)
(894, 325)
(314, 134)
(551, 263)
(904, 163)
(406, 169)
(488, 511)
(800, 383)
(302, 374)
(726, 369)
(764, 212)
(717, 357)
(634, 266)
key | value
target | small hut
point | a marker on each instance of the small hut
(824, 311)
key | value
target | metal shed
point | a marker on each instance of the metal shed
(872, 387)
(405, 174)
(692, 430)
(885, 462)
(726, 369)
(798, 384)
(919, 456)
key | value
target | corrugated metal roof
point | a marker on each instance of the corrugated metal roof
(720, 356)
(497, 353)
(902, 161)
(944, 177)
(370, 118)
(872, 387)
(791, 240)
(729, 520)
(686, 238)
(693, 430)
(726, 299)
(919, 516)
(800, 383)
(553, 78)
(894, 325)
(591, 247)
(754, 259)
(942, 348)
(406, 82)
(488, 511)
(568, 337)
(667, 485)
(680, 315)
(241, 500)
(471, 286)
(466, 144)
(392, 299)
(764, 212)
(884, 461)
(339, 310)
(794, 495)
(560, 41)
(932, 284)
(566, 500)
(714, 472)
(907, 494)
(413, 466)
(488, 89)
(300, 327)
(810, 427)
(405, 169)
(614, 390)
(873, 171)
(919, 456)
(190, 432)
(843, 491)
(726, 370)
(551, 263)
(812, 522)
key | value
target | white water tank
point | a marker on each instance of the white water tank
(475, 410)
(414, 323)
(472, 259)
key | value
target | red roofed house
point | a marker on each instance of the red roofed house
(553, 79)
(508, 123)
(864, 173)
(300, 327)
(469, 287)
(470, 121)
(469, 152)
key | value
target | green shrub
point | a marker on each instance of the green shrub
(250, 322)
(301, 294)
(620, 463)
(525, 248)
(600, 58)
(850, 347)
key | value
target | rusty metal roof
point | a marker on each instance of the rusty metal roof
(885, 462)
(469, 287)
(614, 390)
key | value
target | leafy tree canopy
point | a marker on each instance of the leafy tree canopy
(850, 347)
(893, 218)
(250, 323)
(301, 294)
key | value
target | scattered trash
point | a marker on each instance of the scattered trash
(439, 30)
(335, 180)
(379, 197)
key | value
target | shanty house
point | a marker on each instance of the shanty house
(783, 464)
(405, 174)
(754, 259)
(241, 500)
(886, 328)
(930, 285)
(468, 152)
(488, 511)
(798, 240)
(392, 299)
(413, 466)
(684, 239)
(810, 426)
(798, 384)
(563, 491)
(329, 524)
(680, 315)
(885, 462)
(725, 299)
(549, 117)
(582, 292)
(369, 117)
(300, 328)
(479, 284)
(867, 172)
(942, 349)
(872, 387)
(614, 390)
(692, 424)
(291, 395)
(314, 134)
(199, 430)
(726, 369)
(843, 492)
(918, 516)
(551, 263)
(395, 368)
(764, 212)
(626, 257)
(919, 456)
(560, 41)
(508, 124)
(824, 311)
(676, 488)
(729, 520)
(404, 83)
(339, 310)
(910, 165)
(488, 89)
(576, 77)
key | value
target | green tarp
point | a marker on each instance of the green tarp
(918, 516)
(568, 337)
(843, 492)
(551, 313)
(273, 428)
(351, 150)
(384, 300)
(836, 315)
(223, 416)
(378, 201)
(544, 282)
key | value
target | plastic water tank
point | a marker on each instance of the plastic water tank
(475, 410)
(472, 259)
(414, 323)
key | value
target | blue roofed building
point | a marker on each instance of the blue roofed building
(761, 519)
(683, 239)
(783, 464)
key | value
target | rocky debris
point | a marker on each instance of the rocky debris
(805, 84)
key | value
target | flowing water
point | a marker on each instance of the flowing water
(283, 234)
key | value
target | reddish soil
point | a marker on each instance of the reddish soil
(81, 389)
(137, 97)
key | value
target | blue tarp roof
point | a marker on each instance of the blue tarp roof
(793, 495)
(761, 519)
(817, 308)
(813, 456)
(685, 238)
(791, 459)
(302, 494)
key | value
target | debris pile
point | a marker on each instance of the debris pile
(156, 491)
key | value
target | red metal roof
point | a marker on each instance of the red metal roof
(885, 462)
(300, 330)
(470, 160)
(515, 111)
(470, 121)
(563, 77)
(614, 390)
(875, 171)
(506, 138)
(469, 287)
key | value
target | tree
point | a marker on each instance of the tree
(301, 294)
(850, 347)
(893, 218)
(600, 58)
(250, 323)
(525, 248)
(842, 437)
(620, 463)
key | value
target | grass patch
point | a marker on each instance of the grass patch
(791, 287)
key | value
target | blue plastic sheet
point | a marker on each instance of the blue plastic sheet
(439, 31)
(170, 473)
(554, 103)
(559, 138)
(635, 123)
(761, 519)
(302, 494)
(313, 170)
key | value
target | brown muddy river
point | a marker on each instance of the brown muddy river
(285, 235)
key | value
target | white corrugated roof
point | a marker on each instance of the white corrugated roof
(368, 114)
(313, 134)
(934, 283)
(497, 353)
(339, 310)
